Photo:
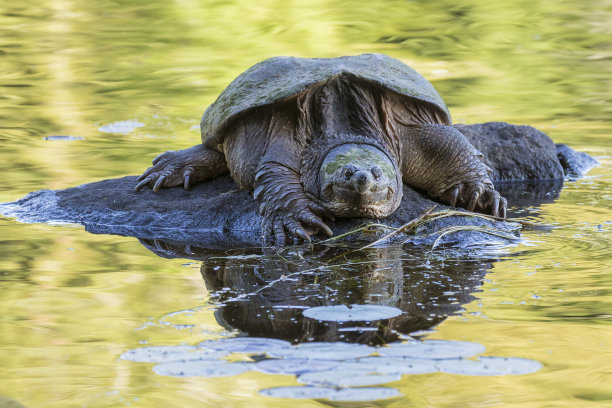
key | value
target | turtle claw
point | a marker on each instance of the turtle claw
(317, 223)
(159, 183)
(180, 168)
(284, 224)
(144, 180)
(145, 174)
(476, 196)
(494, 203)
(454, 195)
(301, 234)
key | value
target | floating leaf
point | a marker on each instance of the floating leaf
(432, 349)
(490, 366)
(63, 137)
(334, 394)
(364, 394)
(122, 127)
(391, 365)
(298, 392)
(245, 344)
(347, 378)
(325, 351)
(343, 313)
(162, 354)
(294, 366)
(202, 368)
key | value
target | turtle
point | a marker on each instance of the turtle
(320, 138)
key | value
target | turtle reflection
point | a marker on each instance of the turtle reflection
(264, 293)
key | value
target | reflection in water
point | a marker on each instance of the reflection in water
(338, 307)
(264, 294)
(530, 193)
(355, 316)
(70, 67)
(525, 197)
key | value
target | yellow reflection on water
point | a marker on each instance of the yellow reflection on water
(73, 302)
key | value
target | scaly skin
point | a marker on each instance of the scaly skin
(287, 212)
(183, 168)
(277, 151)
(440, 160)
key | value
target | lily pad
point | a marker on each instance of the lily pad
(347, 378)
(490, 366)
(364, 394)
(294, 366)
(432, 349)
(122, 127)
(325, 351)
(297, 392)
(245, 344)
(352, 313)
(391, 365)
(202, 368)
(63, 137)
(334, 394)
(163, 354)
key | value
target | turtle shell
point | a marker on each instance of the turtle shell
(279, 79)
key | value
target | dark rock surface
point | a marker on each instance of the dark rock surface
(515, 152)
(212, 214)
(574, 163)
(217, 214)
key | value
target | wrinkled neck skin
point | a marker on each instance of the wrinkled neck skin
(352, 177)
(347, 166)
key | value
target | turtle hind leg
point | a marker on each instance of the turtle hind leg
(183, 168)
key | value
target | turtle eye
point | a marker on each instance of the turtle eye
(376, 172)
(348, 171)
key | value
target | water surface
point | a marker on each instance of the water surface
(94, 90)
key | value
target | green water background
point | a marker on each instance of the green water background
(72, 302)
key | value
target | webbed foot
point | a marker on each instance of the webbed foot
(476, 196)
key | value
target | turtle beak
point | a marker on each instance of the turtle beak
(362, 181)
(361, 186)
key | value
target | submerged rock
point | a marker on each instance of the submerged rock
(574, 163)
(218, 214)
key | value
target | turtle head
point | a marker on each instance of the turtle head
(359, 180)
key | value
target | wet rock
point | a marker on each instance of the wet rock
(218, 214)
(574, 163)
(214, 214)
(515, 152)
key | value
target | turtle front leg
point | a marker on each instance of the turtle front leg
(441, 161)
(287, 212)
(183, 168)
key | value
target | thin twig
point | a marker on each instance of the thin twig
(404, 227)
(426, 217)
(450, 213)
(483, 229)
(355, 231)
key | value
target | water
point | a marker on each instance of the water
(78, 80)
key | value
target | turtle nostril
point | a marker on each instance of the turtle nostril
(361, 178)
(376, 172)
